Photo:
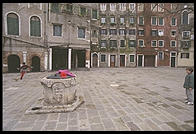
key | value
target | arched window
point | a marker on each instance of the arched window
(35, 26)
(12, 24)
(185, 17)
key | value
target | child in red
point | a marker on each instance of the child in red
(23, 69)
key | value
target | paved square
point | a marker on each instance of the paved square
(121, 99)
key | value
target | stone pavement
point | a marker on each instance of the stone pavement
(120, 99)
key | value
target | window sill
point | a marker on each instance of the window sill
(35, 37)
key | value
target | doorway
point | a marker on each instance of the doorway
(122, 60)
(36, 64)
(149, 61)
(112, 60)
(173, 59)
(95, 60)
(13, 63)
(140, 57)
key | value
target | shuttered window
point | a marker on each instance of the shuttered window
(55, 7)
(35, 26)
(12, 24)
(94, 14)
(81, 32)
(57, 29)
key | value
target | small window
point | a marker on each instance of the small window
(102, 57)
(132, 7)
(161, 21)
(57, 30)
(122, 6)
(122, 32)
(113, 32)
(35, 26)
(161, 55)
(112, 7)
(185, 55)
(122, 20)
(154, 20)
(132, 43)
(141, 20)
(112, 20)
(12, 24)
(140, 7)
(173, 43)
(122, 43)
(131, 31)
(69, 8)
(102, 7)
(154, 43)
(94, 14)
(82, 11)
(173, 54)
(186, 34)
(132, 20)
(113, 43)
(104, 31)
(103, 20)
(132, 57)
(81, 32)
(141, 32)
(161, 43)
(103, 43)
(55, 7)
(173, 33)
(154, 32)
(141, 43)
(173, 21)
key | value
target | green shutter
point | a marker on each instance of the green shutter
(13, 26)
(35, 28)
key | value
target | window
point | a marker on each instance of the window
(154, 43)
(112, 7)
(173, 54)
(103, 20)
(122, 32)
(173, 43)
(55, 7)
(122, 6)
(122, 20)
(81, 32)
(69, 8)
(82, 11)
(35, 26)
(122, 43)
(102, 57)
(173, 33)
(94, 34)
(132, 7)
(161, 32)
(113, 43)
(161, 55)
(141, 20)
(161, 21)
(161, 7)
(185, 18)
(154, 7)
(112, 19)
(103, 43)
(141, 43)
(57, 30)
(104, 31)
(154, 20)
(132, 43)
(102, 7)
(141, 32)
(173, 21)
(12, 24)
(94, 14)
(140, 7)
(132, 20)
(161, 43)
(132, 57)
(131, 31)
(154, 32)
(185, 34)
(113, 32)
(185, 55)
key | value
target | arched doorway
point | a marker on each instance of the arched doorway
(35, 64)
(13, 63)
(95, 60)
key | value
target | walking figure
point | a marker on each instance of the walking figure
(189, 85)
(23, 69)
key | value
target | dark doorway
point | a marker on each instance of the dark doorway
(35, 64)
(13, 63)
(81, 54)
(140, 60)
(59, 58)
(122, 60)
(149, 60)
(173, 61)
(95, 60)
(112, 60)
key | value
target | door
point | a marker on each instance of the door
(122, 60)
(112, 60)
(13, 63)
(35, 64)
(173, 61)
(95, 60)
(140, 60)
(149, 60)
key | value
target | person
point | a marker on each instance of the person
(189, 85)
(23, 70)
